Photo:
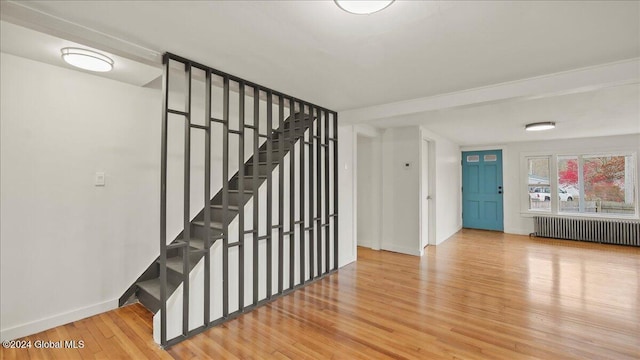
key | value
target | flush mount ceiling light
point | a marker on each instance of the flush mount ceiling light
(87, 59)
(363, 7)
(539, 126)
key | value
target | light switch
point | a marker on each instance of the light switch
(99, 180)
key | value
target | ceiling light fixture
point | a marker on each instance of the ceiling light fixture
(540, 126)
(363, 7)
(87, 59)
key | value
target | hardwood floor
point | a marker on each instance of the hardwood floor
(479, 295)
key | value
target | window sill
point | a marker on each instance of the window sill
(531, 214)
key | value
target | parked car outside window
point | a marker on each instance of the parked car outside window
(564, 195)
(544, 194)
(540, 194)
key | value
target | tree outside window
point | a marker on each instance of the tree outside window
(601, 184)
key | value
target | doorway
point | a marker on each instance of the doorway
(482, 190)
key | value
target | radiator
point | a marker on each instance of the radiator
(609, 231)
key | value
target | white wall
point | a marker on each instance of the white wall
(516, 222)
(447, 196)
(70, 249)
(368, 190)
(347, 234)
(401, 190)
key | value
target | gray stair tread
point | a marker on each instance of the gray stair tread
(249, 181)
(152, 287)
(213, 224)
(259, 177)
(230, 207)
(197, 243)
(194, 243)
(246, 190)
(175, 263)
(274, 149)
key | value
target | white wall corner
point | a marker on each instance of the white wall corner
(367, 130)
(403, 249)
(449, 235)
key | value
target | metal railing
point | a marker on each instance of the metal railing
(314, 225)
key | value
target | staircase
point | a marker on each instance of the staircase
(219, 266)
(147, 287)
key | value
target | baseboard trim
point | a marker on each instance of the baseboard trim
(516, 231)
(56, 320)
(447, 237)
(401, 249)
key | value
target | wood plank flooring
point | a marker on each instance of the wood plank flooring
(479, 295)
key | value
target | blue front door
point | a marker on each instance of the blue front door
(482, 190)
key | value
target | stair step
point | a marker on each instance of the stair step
(230, 207)
(151, 289)
(235, 191)
(195, 243)
(274, 159)
(249, 178)
(212, 224)
(276, 139)
(175, 263)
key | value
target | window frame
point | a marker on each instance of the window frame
(554, 183)
(549, 159)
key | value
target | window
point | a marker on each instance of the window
(597, 184)
(568, 181)
(538, 184)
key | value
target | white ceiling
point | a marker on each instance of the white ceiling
(413, 49)
(34, 45)
(608, 111)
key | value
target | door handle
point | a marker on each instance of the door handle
(429, 197)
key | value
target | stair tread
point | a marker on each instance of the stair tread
(194, 243)
(152, 287)
(274, 150)
(263, 162)
(175, 263)
(230, 207)
(259, 176)
(212, 224)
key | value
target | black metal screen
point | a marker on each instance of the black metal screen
(267, 156)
